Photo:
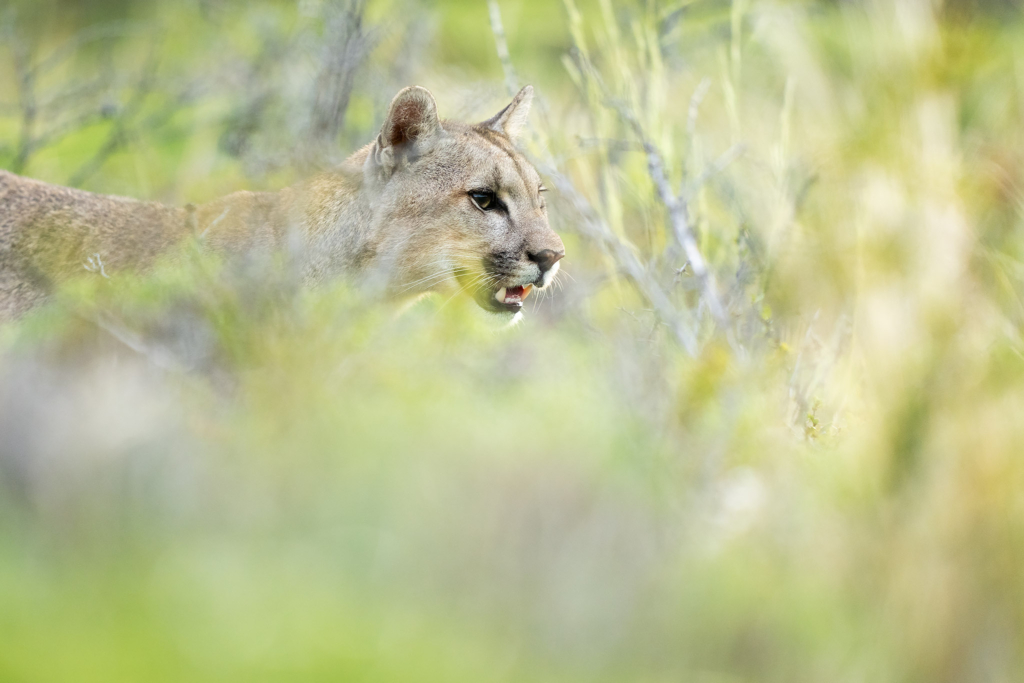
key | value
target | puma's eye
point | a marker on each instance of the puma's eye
(484, 199)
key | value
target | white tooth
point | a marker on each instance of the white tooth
(500, 296)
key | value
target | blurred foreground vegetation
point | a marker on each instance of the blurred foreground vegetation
(212, 474)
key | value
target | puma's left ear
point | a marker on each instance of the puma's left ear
(412, 119)
(510, 120)
(410, 130)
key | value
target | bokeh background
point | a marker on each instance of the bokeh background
(796, 457)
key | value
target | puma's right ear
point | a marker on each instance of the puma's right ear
(410, 128)
(511, 120)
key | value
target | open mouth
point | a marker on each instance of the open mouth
(510, 298)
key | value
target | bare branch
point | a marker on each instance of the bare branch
(678, 209)
(84, 37)
(346, 46)
(723, 162)
(119, 131)
(679, 216)
(94, 264)
(698, 97)
(501, 42)
(26, 103)
(592, 225)
(159, 357)
(59, 132)
(611, 145)
(597, 230)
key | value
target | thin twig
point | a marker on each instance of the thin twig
(698, 97)
(679, 214)
(678, 208)
(59, 132)
(346, 46)
(86, 36)
(609, 144)
(118, 133)
(159, 357)
(720, 164)
(26, 102)
(595, 228)
(501, 42)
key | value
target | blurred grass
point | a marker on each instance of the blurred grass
(212, 474)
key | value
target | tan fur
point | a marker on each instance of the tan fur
(398, 212)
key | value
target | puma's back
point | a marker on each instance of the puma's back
(48, 233)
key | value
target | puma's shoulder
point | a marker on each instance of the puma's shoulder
(242, 221)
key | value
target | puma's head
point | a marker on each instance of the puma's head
(460, 209)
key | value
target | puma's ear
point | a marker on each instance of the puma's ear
(510, 120)
(410, 127)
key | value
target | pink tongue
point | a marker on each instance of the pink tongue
(513, 294)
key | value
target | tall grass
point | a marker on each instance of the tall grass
(215, 474)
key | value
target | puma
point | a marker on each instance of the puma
(430, 205)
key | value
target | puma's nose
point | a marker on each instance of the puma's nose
(546, 258)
